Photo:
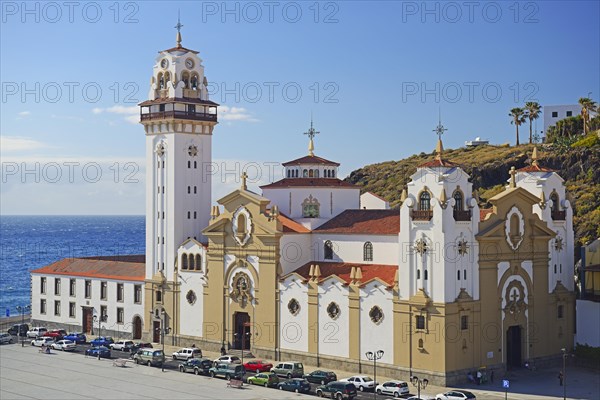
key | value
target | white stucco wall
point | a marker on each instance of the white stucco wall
(333, 333)
(374, 337)
(295, 332)
(130, 309)
(349, 248)
(370, 201)
(295, 251)
(588, 321)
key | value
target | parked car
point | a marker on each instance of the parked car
(64, 345)
(297, 385)
(456, 395)
(337, 390)
(394, 388)
(227, 370)
(150, 357)
(6, 338)
(187, 353)
(289, 369)
(361, 382)
(258, 366)
(122, 345)
(227, 359)
(264, 379)
(137, 346)
(36, 331)
(57, 334)
(42, 341)
(196, 365)
(423, 397)
(78, 338)
(18, 329)
(105, 341)
(320, 376)
(93, 351)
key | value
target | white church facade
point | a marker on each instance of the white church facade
(310, 270)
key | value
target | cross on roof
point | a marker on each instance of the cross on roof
(244, 177)
(513, 173)
(439, 130)
(312, 132)
(179, 24)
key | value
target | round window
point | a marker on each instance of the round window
(376, 314)
(191, 297)
(333, 310)
(294, 306)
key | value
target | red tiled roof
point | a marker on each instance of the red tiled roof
(309, 182)
(535, 168)
(291, 226)
(438, 163)
(169, 100)
(483, 212)
(126, 267)
(310, 160)
(376, 222)
(386, 273)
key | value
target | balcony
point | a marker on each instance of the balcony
(462, 215)
(421, 215)
(558, 215)
(196, 116)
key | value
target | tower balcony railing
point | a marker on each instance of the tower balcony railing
(421, 215)
(558, 215)
(196, 116)
(462, 215)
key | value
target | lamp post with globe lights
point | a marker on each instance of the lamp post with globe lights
(22, 310)
(100, 318)
(419, 383)
(374, 357)
(165, 330)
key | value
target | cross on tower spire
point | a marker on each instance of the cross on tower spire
(439, 130)
(312, 132)
(178, 27)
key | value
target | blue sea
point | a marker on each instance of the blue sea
(30, 242)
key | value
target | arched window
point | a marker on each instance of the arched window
(198, 262)
(333, 173)
(288, 173)
(328, 250)
(191, 261)
(310, 173)
(555, 201)
(305, 173)
(458, 201)
(194, 82)
(514, 226)
(241, 224)
(418, 274)
(316, 173)
(458, 275)
(425, 274)
(425, 201)
(368, 251)
(184, 261)
(167, 78)
(161, 81)
(296, 173)
(185, 77)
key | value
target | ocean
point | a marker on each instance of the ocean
(30, 242)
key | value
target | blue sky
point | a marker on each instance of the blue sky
(373, 75)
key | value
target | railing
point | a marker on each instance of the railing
(462, 215)
(179, 115)
(421, 215)
(558, 215)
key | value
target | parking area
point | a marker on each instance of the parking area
(27, 373)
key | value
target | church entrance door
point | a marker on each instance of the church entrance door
(156, 331)
(87, 320)
(137, 327)
(241, 335)
(513, 347)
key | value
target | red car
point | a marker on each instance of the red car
(258, 366)
(57, 334)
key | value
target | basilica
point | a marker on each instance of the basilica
(310, 270)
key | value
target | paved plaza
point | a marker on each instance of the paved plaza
(27, 374)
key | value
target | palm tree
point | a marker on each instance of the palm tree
(587, 106)
(518, 118)
(532, 111)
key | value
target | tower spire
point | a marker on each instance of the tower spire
(178, 27)
(439, 130)
(311, 134)
(534, 157)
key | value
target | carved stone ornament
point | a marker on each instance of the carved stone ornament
(421, 246)
(558, 243)
(161, 148)
(192, 151)
(463, 247)
(514, 239)
(515, 299)
(241, 289)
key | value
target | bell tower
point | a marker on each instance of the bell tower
(178, 119)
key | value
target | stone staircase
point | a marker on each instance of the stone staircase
(247, 354)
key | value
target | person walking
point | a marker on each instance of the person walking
(492, 376)
(560, 378)
(479, 376)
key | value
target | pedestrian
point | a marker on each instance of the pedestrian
(193, 345)
(223, 350)
(479, 376)
(560, 378)
(492, 376)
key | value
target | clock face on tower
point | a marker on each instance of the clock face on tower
(164, 63)
(189, 63)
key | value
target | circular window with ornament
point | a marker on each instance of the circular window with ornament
(191, 297)
(294, 307)
(164, 63)
(333, 310)
(376, 315)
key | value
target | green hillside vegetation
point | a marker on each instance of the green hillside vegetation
(576, 161)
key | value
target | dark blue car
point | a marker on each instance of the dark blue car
(93, 351)
(102, 341)
(78, 338)
(297, 385)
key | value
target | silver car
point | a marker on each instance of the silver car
(6, 338)
(64, 345)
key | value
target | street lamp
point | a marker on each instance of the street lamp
(22, 310)
(564, 372)
(100, 318)
(164, 331)
(419, 383)
(374, 357)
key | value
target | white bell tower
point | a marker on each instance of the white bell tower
(178, 119)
